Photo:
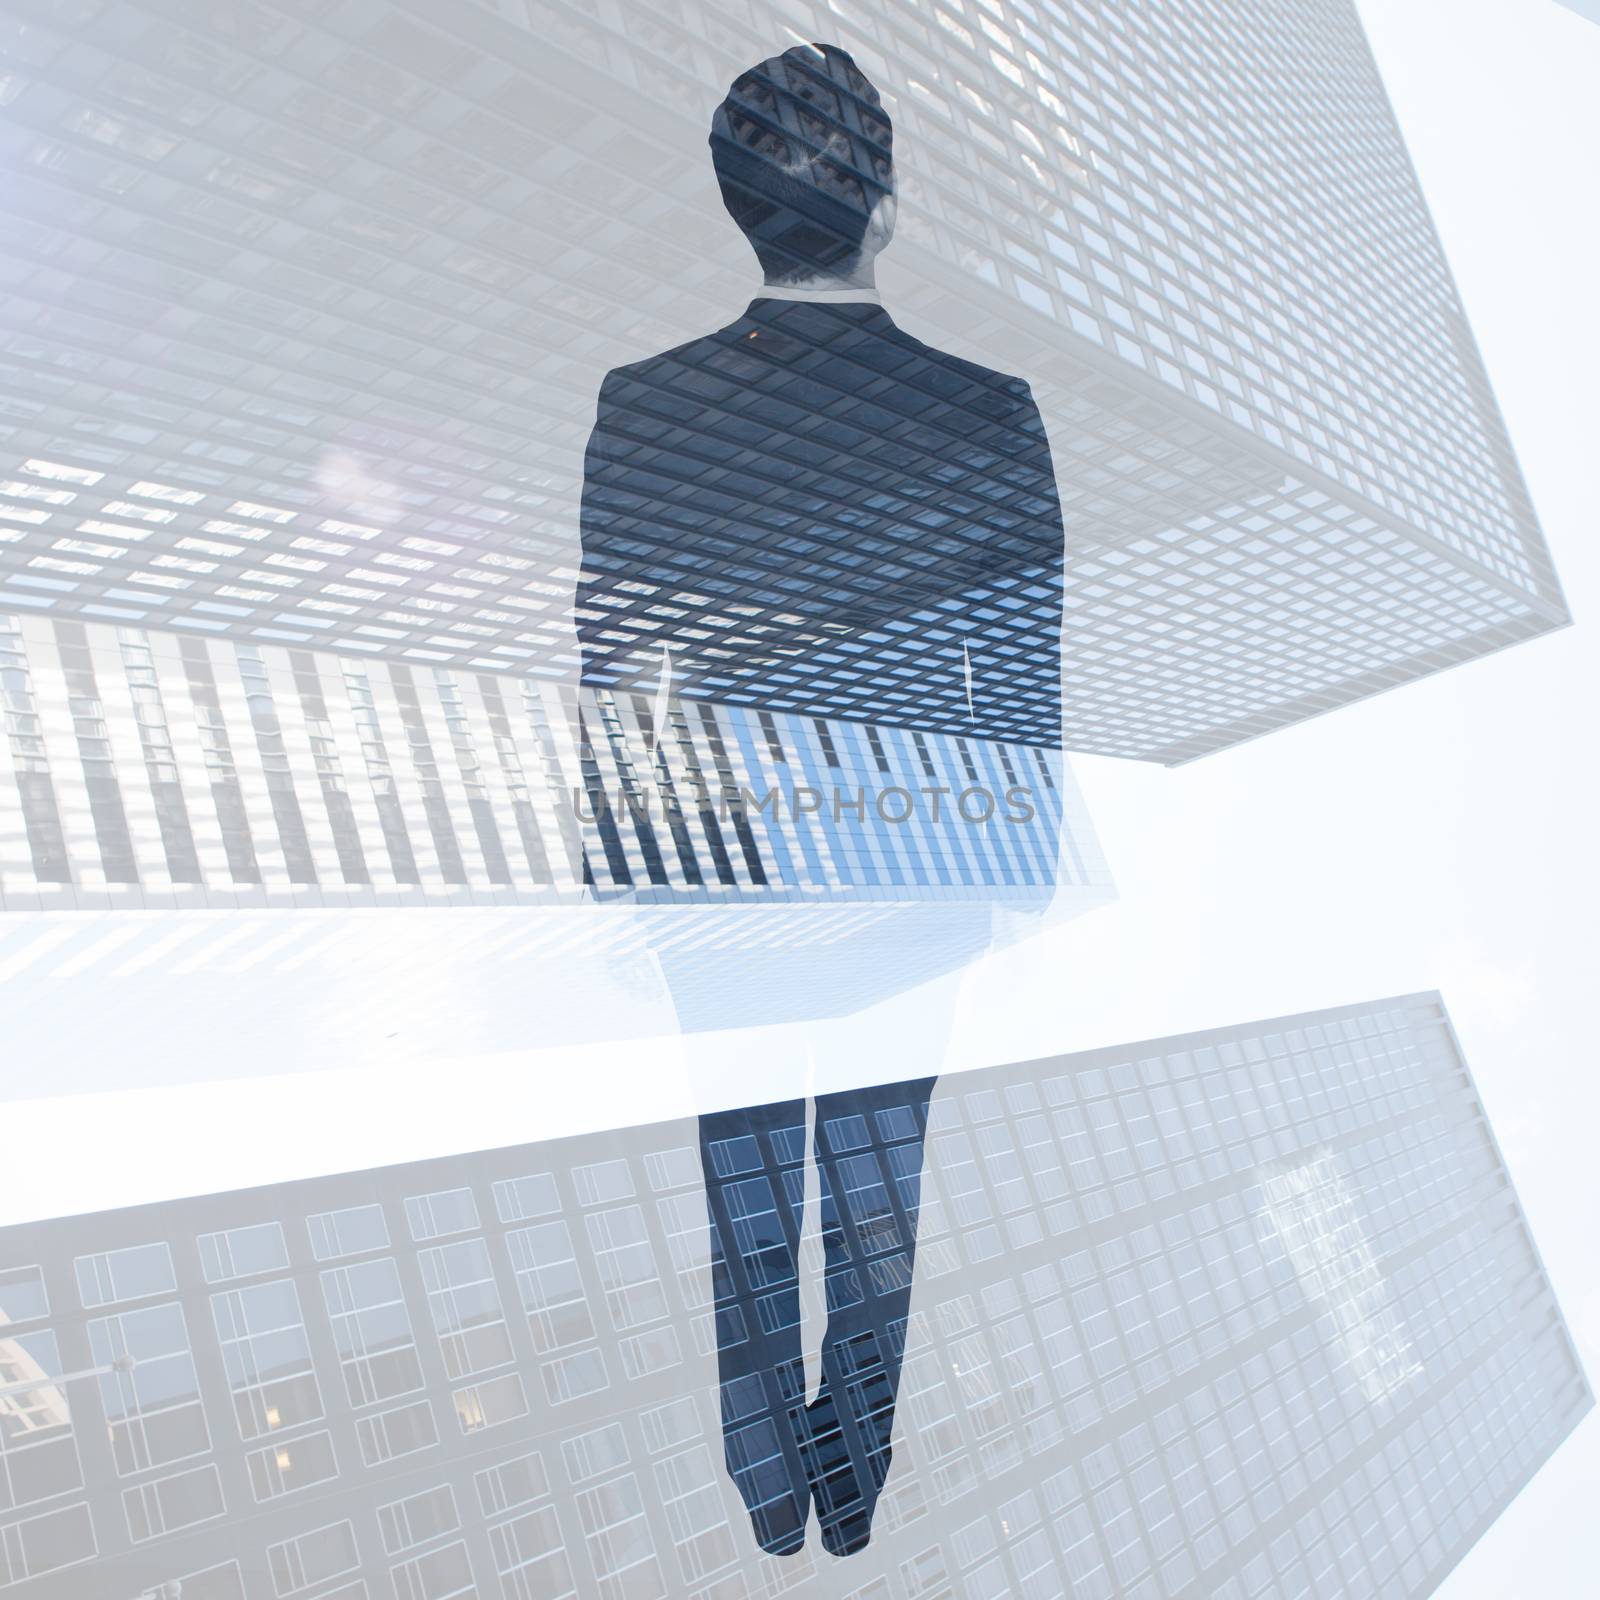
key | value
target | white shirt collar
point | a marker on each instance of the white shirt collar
(783, 291)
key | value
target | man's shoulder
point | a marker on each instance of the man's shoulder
(1003, 385)
(692, 354)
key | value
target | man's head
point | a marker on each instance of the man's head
(803, 152)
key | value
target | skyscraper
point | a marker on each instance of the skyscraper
(295, 366)
(153, 770)
(151, 782)
(1245, 1312)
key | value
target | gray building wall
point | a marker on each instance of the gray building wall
(1242, 1313)
(306, 316)
(149, 770)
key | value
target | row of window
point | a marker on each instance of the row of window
(166, 761)
(1246, 1373)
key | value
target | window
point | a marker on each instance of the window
(23, 1296)
(531, 1557)
(521, 1199)
(38, 1454)
(53, 1539)
(129, 1274)
(168, 1504)
(153, 1411)
(512, 1483)
(372, 1330)
(313, 1558)
(402, 1431)
(551, 1285)
(464, 1301)
(488, 1404)
(293, 1464)
(449, 1211)
(418, 1518)
(267, 1357)
(243, 1252)
(350, 1232)
(438, 1575)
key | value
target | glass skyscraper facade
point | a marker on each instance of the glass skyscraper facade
(306, 317)
(561, 848)
(159, 770)
(1242, 1313)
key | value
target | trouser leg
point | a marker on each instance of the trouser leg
(869, 1154)
(754, 1164)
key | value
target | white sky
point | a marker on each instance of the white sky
(1500, 101)
(1437, 837)
(1442, 836)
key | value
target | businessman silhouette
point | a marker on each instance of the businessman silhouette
(811, 511)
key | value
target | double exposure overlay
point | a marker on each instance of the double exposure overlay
(516, 1372)
(555, 562)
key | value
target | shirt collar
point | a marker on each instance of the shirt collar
(776, 291)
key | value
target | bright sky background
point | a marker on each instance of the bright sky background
(1442, 836)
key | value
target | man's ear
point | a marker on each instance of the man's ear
(880, 225)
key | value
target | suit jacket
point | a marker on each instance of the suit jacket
(820, 514)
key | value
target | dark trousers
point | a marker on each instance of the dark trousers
(781, 1452)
